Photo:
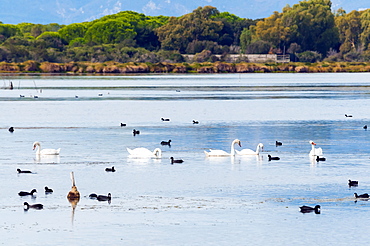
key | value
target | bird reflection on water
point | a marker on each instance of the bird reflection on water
(73, 196)
(47, 159)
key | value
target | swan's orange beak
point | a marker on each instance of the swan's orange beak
(313, 143)
(34, 147)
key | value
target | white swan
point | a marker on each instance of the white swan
(220, 153)
(315, 151)
(39, 151)
(251, 152)
(144, 153)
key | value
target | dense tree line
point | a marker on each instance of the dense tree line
(309, 31)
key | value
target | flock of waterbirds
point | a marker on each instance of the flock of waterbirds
(74, 195)
(351, 183)
(316, 154)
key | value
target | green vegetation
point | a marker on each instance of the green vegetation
(309, 31)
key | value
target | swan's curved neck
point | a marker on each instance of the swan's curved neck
(232, 152)
(313, 149)
(258, 149)
(38, 147)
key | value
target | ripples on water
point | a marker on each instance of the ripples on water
(204, 201)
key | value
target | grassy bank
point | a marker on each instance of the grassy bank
(217, 67)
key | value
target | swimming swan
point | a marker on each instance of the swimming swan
(144, 153)
(39, 151)
(315, 151)
(220, 153)
(251, 152)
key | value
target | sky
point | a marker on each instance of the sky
(73, 11)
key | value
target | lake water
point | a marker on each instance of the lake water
(203, 201)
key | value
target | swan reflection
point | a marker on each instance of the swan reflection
(257, 158)
(47, 159)
(142, 161)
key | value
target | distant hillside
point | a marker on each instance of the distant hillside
(71, 11)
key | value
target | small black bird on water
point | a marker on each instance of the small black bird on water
(34, 206)
(320, 158)
(122, 124)
(348, 115)
(352, 183)
(11, 129)
(307, 209)
(48, 190)
(135, 132)
(277, 143)
(365, 195)
(273, 158)
(166, 143)
(93, 196)
(25, 193)
(195, 122)
(165, 119)
(23, 171)
(176, 161)
(365, 127)
(104, 198)
(108, 169)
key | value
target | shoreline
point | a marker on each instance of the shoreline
(80, 68)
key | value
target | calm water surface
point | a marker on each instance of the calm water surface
(204, 201)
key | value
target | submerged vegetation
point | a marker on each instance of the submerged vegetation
(309, 32)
